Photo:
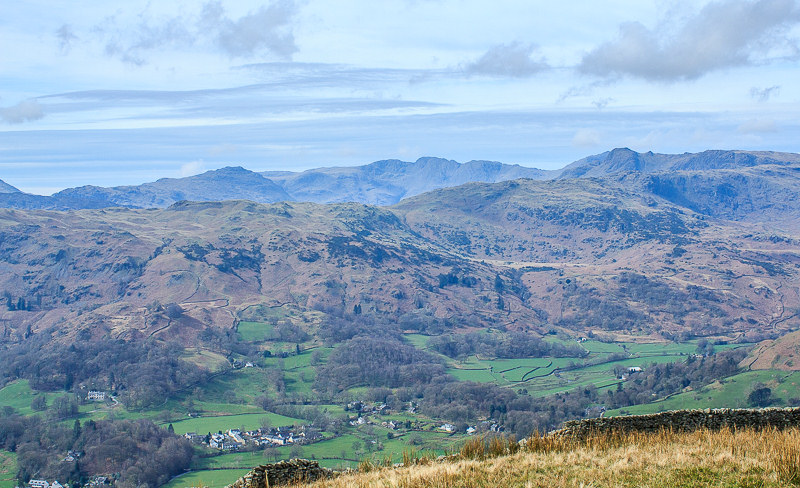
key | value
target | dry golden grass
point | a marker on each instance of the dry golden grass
(666, 459)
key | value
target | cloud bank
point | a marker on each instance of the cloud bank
(723, 34)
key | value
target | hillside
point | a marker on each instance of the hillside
(508, 306)
(703, 458)
(585, 254)
(6, 188)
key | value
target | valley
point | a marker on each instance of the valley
(377, 331)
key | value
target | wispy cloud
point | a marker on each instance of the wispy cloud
(266, 30)
(586, 138)
(515, 60)
(25, 111)
(65, 37)
(723, 34)
(764, 94)
(192, 168)
(757, 126)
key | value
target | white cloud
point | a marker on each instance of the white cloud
(513, 60)
(723, 34)
(192, 168)
(267, 30)
(586, 138)
(25, 111)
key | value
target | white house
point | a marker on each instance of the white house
(39, 484)
(634, 369)
(99, 396)
(448, 428)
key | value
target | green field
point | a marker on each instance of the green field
(256, 331)
(547, 376)
(8, 469)
(246, 421)
(18, 395)
(217, 478)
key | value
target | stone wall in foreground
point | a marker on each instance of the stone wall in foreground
(685, 420)
(283, 473)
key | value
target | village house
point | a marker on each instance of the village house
(38, 484)
(94, 395)
(449, 428)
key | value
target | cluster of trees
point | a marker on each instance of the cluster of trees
(501, 345)
(143, 373)
(374, 361)
(136, 452)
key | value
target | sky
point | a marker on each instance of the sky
(117, 93)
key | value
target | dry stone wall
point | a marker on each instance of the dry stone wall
(283, 473)
(685, 420)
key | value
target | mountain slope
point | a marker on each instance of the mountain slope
(602, 255)
(387, 182)
(6, 188)
(229, 183)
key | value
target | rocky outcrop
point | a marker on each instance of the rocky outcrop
(685, 420)
(283, 473)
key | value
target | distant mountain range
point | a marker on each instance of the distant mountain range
(385, 182)
(624, 160)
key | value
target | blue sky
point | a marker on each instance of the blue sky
(112, 93)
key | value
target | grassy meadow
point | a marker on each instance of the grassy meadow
(662, 460)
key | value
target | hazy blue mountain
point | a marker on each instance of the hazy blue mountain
(6, 188)
(387, 182)
(623, 160)
(38, 202)
(725, 184)
(230, 183)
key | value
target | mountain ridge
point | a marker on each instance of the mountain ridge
(6, 188)
(387, 182)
